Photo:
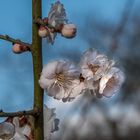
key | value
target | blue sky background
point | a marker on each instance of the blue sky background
(16, 77)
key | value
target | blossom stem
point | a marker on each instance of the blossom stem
(39, 21)
(36, 50)
(10, 39)
(34, 112)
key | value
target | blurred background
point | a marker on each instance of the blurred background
(113, 28)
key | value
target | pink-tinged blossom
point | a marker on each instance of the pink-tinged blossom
(43, 32)
(61, 80)
(18, 48)
(111, 82)
(68, 30)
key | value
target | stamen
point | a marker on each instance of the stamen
(63, 80)
(111, 82)
(93, 68)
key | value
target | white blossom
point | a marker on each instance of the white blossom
(19, 136)
(75, 91)
(7, 130)
(56, 18)
(22, 132)
(16, 128)
(93, 65)
(57, 15)
(61, 79)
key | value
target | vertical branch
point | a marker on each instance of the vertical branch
(37, 67)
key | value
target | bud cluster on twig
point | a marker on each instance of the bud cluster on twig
(56, 22)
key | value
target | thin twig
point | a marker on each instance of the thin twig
(10, 39)
(33, 112)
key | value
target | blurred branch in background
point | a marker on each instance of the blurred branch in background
(121, 25)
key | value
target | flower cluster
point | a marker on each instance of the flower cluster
(16, 128)
(58, 22)
(21, 128)
(63, 80)
(100, 73)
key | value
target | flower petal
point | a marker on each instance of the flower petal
(50, 69)
(111, 82)
(56, 91)
(45, 82)
(87, 73)
(7, 130)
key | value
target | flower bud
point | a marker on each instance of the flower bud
(45, 20)
(68, 30)
(22, 121)
(17, 48)
(43, 32)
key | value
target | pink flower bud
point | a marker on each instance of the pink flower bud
(45, 20)
(68, 30)
(43, 32)
(17, 48)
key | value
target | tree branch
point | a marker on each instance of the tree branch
(33, 112)
(10, 39)
(36, 50)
